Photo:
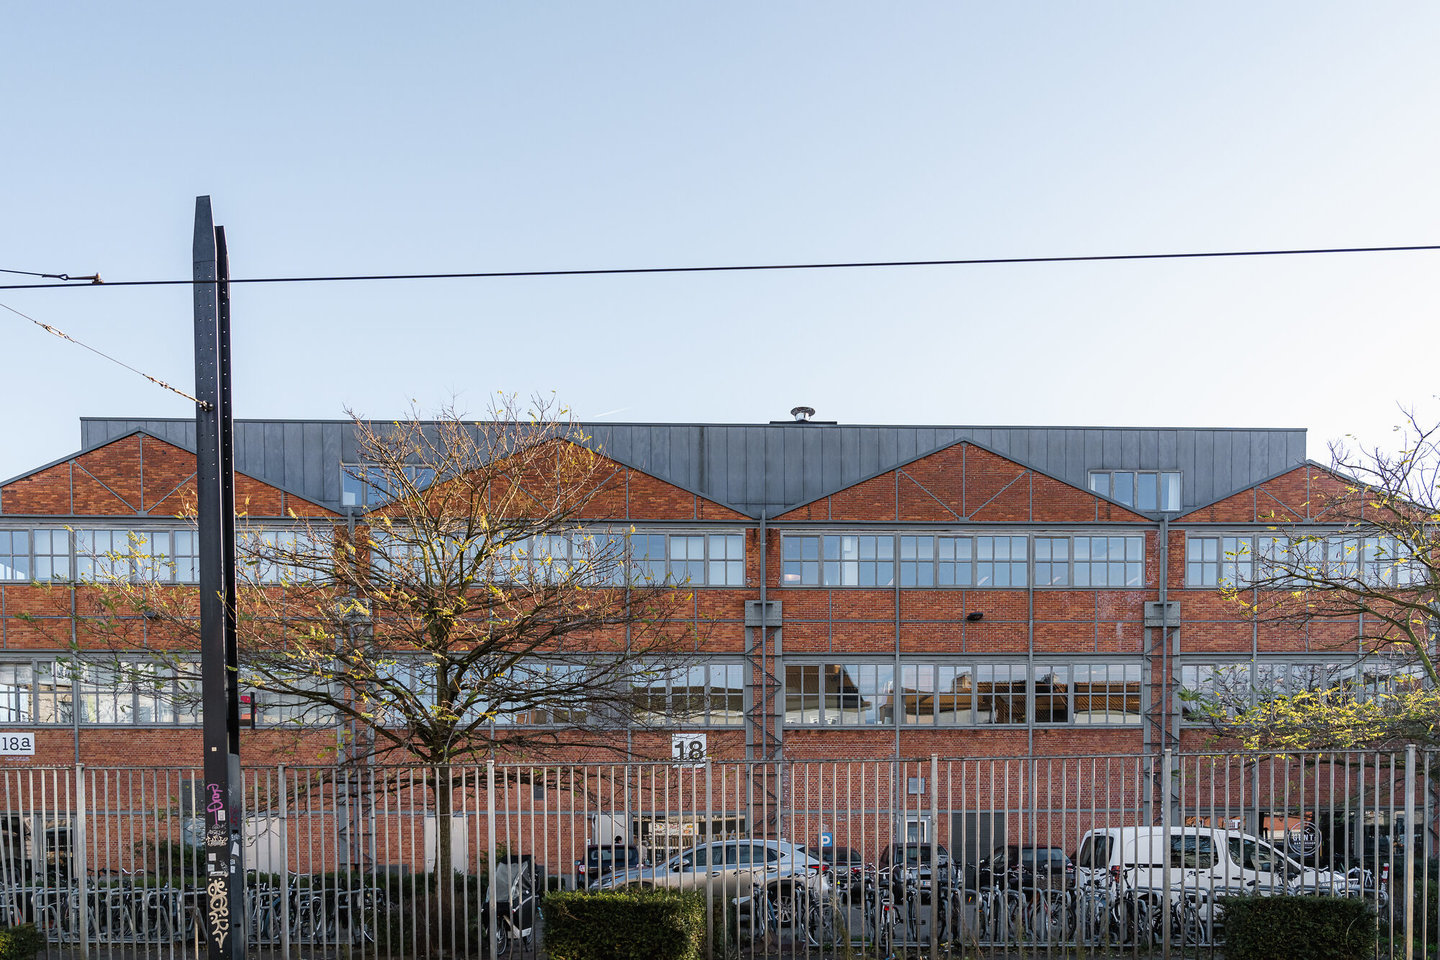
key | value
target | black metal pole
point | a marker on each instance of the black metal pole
(215, 502)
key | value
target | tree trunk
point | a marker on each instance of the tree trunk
(444, 856)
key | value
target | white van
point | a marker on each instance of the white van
(1206, 860)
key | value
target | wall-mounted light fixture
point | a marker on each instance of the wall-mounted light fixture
(975, 617)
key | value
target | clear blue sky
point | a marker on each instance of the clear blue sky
(363, 137)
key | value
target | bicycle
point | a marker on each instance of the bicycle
(1047, 915)
(999, 915)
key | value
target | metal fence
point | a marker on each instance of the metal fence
(1097, 855)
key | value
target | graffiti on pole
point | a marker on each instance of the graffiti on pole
(217, 891)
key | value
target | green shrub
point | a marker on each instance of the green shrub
(1427, 907)
(624, 925)
(21, 943)
(1312, 928)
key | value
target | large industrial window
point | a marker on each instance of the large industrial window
(102, 555)
(944, 560)
(839, 694)
(114, 692)
(588, 556)
(961, 693)
(693, 559)
(1289, 561)
(708, 694)
(1090, 693)
(840, 560)
(1219, 689)
(1147, 490)
(1109, 561)
(938, 693)
(278, 556)
(108, 554)
(369, 486)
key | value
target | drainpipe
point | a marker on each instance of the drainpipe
(1165, 704)
(764, 625)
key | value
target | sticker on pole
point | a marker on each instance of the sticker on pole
(688, 748)
(17, 745)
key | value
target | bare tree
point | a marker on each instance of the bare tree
(1363, 572)
(483, 604)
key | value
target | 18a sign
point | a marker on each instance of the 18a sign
(687, 747)
(17, 744)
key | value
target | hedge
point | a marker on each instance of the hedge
(20, 943)
(1312, 928)
(624, 925)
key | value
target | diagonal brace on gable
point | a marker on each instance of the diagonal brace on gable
(1288, 509)
(1020, 476)
(172, 491)
(106, 486)
(945, 506)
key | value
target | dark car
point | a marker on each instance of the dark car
(910, 863)
(846, 866)
(600, 860)
(1019, 867)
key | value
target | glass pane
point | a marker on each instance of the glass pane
(802, 686)
(1052, 694)
(917, 689)
(1000, 693)
(1124, 489)
(1145, 491)
(1169, 491)
(955, 689)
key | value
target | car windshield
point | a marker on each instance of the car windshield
(607, 855)
(1094, 852)
(921, 853)
(1254, 855)
(1049, 855)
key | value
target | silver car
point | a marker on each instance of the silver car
(733, 866)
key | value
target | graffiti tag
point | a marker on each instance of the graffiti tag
(218, 915)
(217, 802)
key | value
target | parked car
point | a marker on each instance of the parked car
(602, 859)
(1020, 867)
(1202, 859)
(732, 866)
(847, 868)
(910, 862)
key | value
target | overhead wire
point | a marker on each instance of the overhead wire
(56, 331)
(93, 277)
(737, 268)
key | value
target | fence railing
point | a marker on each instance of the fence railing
(1037, 855)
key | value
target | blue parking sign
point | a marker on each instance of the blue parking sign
(827, 839)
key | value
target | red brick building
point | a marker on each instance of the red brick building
(872, 591)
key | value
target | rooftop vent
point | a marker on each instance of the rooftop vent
(802, 415)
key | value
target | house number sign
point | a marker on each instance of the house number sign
(17, 744)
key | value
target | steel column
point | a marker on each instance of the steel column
(215, 501)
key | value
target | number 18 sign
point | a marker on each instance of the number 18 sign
(687, 747)
(17, 744)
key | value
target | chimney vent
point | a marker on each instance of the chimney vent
(802, 414)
